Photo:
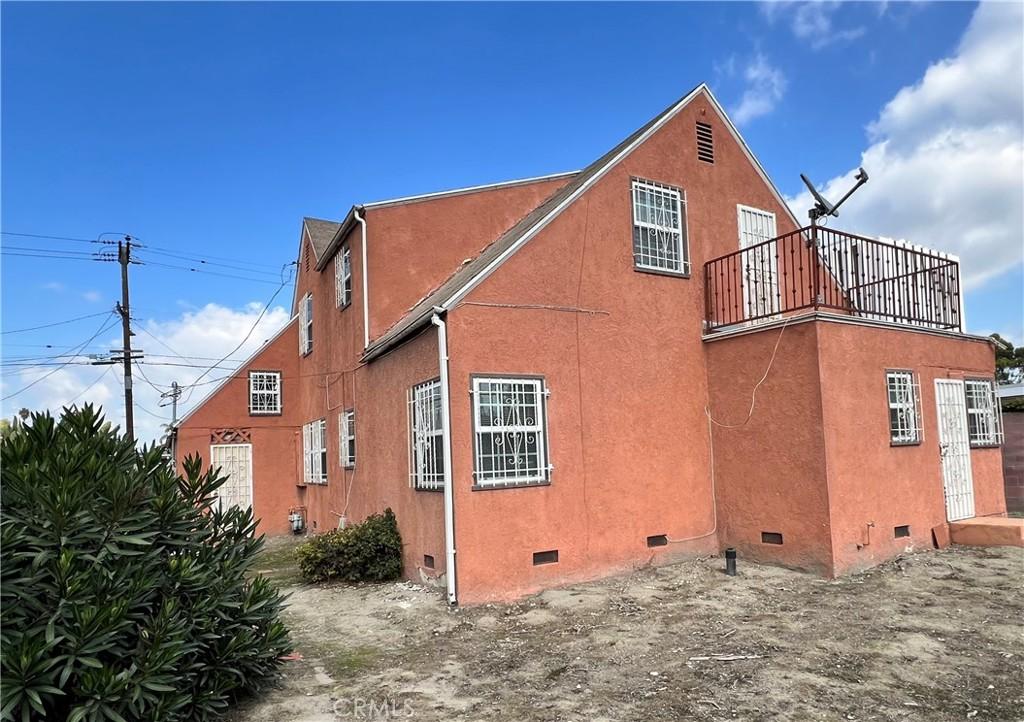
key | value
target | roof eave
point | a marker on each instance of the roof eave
(339, 237)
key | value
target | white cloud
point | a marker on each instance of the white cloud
(765, 87)
(55, 286)
(202, 336)
(92, 296)
(946, 155)
(812, 22)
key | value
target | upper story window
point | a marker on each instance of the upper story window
(659, 228)
(347, 438)
(264, 392)
(343, 277)
(314, 452)
(984, 418)
(426, 436)
(306, 324)
(904, 408)
(509, 421)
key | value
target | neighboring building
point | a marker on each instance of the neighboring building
(552, 379)
(1011, 397)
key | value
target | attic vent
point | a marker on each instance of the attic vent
(305, 257)
(705, 143)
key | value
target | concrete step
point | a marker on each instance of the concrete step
(990, 531)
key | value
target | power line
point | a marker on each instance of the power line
(57, 323)
(103, 327)
(55, 238)
(54, 256)
(86, 390)
(157, 264)
(238, 265)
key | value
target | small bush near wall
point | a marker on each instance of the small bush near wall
(370, 551)
(124, 591)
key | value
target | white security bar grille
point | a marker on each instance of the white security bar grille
(264, 392)
(234, 462)
(306, 324)
(984, 417)
(347, 438)
(426, 436)
(314, 452)
(659, 241)
(343, 277)
(760, 265)
(508, 416)
(954, 449)
(904, 408)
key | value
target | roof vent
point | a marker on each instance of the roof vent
(705, 143)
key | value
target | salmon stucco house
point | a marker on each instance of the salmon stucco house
(555, 378)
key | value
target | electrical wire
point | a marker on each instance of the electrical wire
(103, 327)
(147, 262)
(55, 238)
(238, 266)
(57, 323)
(84, 391)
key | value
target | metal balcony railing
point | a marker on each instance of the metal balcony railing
(818, 268)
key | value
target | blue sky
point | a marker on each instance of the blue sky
(212, 129)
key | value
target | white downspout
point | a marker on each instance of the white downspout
(366, 282)
(446, 429)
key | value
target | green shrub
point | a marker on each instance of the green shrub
(370, 551)
(124, 592)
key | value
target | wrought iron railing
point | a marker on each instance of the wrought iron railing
(820, 268)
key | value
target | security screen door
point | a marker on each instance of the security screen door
(235, 462)
(954, 449)
(760, 266)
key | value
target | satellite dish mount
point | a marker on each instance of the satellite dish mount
(822, 208)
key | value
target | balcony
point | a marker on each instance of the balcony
(820, 269)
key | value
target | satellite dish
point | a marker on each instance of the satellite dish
(822, 207)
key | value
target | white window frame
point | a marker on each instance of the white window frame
(671, 236)
(243, 485)
(264, 401)
(760, 266)
(343, 276)
(306, 324)
(347, 438)
(515, 434)
(426, 436)
(903, 397)
(314, 452)
(984, 411)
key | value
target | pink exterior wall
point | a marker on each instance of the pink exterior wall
(871, 481)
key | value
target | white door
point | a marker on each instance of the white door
(760, 264)
(954, 449)
(235, 462)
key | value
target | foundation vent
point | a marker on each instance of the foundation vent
(771, 537)
(548, 557)
(901, 531)
(658, 540)
(428, 561)
(705, 143)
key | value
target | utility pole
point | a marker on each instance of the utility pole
(172, 433)
(124, 257)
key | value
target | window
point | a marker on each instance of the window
(264, 392)
(347, 438)
(984, 420)
(314, 452)
(426, 436)
(904, 408)
(508, 416)
(659, 240)
(306, 324)
(705, 143)
(343, 277)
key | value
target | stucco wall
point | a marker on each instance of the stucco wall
(871, 482)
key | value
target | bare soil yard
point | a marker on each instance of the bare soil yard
(929, 636)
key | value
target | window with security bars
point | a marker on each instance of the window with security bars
(347, 438)
(426, 436)
(509, 425)
(306, 324)
(314, 452)
(264, 392)
(659, 228)
(904, 408)
(343, 277)
(984, 417)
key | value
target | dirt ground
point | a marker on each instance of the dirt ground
(929, 636)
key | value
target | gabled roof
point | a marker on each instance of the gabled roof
(471, 274)
(320, 234)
